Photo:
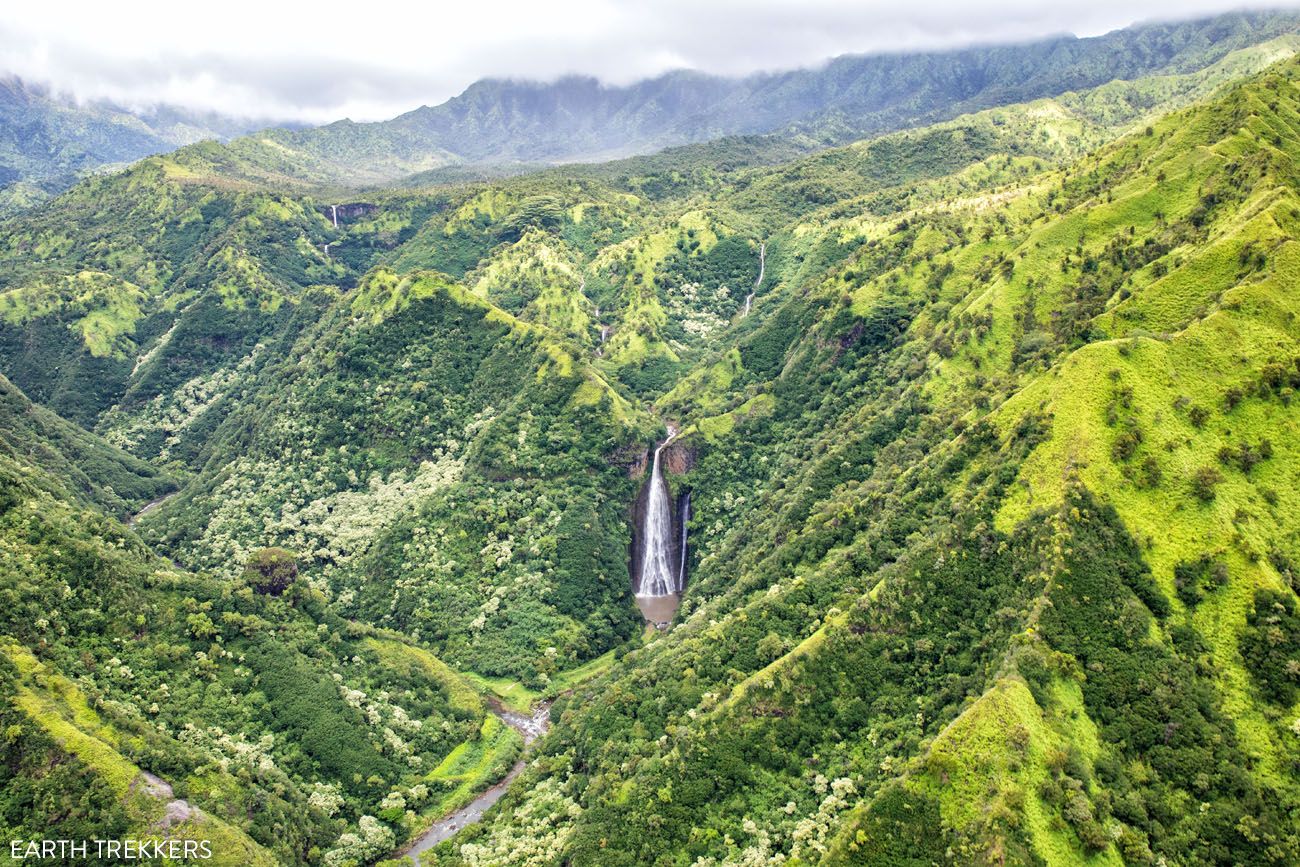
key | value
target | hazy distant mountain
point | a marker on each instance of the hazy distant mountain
(48, 141)
(581, 119)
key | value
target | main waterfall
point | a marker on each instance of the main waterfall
(658, 576)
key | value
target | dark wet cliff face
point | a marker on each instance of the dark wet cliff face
(348, 212)
(678, 460)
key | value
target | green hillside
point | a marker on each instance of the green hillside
(143, 701)
(1001, 592)
(989, 432)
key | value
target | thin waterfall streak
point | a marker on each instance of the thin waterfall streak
(681, 563)
(334, 213)
(762, 271)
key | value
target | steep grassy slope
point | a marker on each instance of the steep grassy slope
(999, 592)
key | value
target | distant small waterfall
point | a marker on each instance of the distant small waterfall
(604, 333)
(334, 215)
(762, 269)
(658, 577)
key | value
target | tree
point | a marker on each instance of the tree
(271, 570)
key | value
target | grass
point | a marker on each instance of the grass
(718, 426)
(58, 706)
(994, 755)
(515, 696)
(571, 678)
(511, 693)
(1199, 364)
(101, 308)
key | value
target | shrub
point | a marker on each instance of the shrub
(1204, 481)
(1191, 578)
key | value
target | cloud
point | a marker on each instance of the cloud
(330, 59)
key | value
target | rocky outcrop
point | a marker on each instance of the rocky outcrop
(175, 811)
(679, 458)
(638, 464)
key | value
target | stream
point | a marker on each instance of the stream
(531, 728)
(149, 507)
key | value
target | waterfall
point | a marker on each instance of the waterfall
(762, 268)
(334, 214)
(657, 573)
(604, 333)
(681, 563)
(326, 248)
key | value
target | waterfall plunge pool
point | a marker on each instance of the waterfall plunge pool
(659, 610)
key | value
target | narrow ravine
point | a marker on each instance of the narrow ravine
(531, 728)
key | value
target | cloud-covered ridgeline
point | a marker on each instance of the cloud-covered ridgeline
(332, 60)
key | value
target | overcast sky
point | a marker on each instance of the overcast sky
(372, 59)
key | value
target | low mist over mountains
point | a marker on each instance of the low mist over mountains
(46, 143)
(48, 140)
(578, 118)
